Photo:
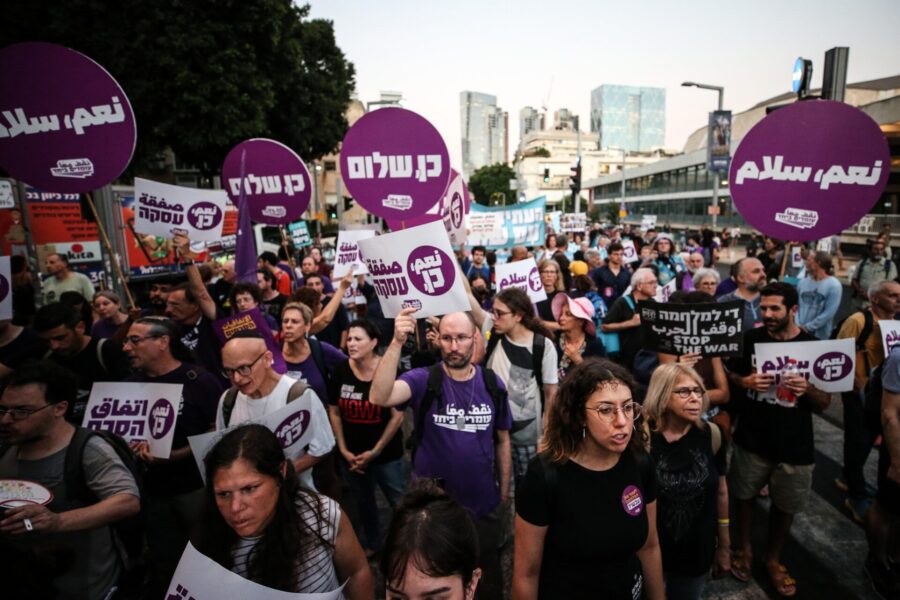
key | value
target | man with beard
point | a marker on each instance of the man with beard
(158, 295)
(459, 410)
(693, 262)
(750, 277)
(773, 442)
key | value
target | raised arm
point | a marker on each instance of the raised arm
(207, 305)
(386, 390)
(328, 313)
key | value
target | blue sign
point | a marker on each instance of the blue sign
(798, 75)
(300, 234)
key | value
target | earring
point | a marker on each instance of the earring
(583, 431)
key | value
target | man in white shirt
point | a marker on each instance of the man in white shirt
(259, 390)
(63, 279)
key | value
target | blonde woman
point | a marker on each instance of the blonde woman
(689, 458)
(553, 282)
(108, 308)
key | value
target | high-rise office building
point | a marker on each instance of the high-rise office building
(564, 120)
(629, 117)
(484, 131)
(530, 119)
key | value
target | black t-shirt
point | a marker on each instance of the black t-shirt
(87, 367)
(687, 485)
(363, 422)
(544, 308)
(201, 339)
(26, 345)
(196, 415)
(609, 285)
(630, 340)
(778, 433)
(274, 307)
(597, 521)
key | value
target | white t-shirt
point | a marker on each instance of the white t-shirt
(247, 410)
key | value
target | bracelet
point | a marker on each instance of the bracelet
(724, 522)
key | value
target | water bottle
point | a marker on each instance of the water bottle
(782, 392)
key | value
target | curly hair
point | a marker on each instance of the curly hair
(659, 392)
(568, 417)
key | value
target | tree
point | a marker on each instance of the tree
(203, 76)
(491, 182)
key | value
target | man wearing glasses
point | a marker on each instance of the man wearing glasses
(456, 425)
(258, 389)
(173, 488)
(66, 531)
(623, 317)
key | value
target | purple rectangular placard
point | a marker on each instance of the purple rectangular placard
(250, 320)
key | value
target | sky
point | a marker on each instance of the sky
(528, 52)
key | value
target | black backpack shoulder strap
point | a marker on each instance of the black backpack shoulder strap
(433, 391)
(859, 268)
(315, 349)
(73, 471)
(537, 362)
(498, 395)
(493, 340)
(868, 325)
(228, 402)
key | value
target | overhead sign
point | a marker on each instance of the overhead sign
(506, 226)
(347, 253)
(828, 364)
(138, 412)
(395, 163)
(712, 329)
(415, 268)
(164, 210)
(452, 209)
(65, 123)
(522, 274)
(275, 181)
(809, 170)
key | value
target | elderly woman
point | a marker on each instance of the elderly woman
(263, 526)
(553, 282)
(707, 280)
(578, 332)
(247, 296)
(592, 481)
(108, 307)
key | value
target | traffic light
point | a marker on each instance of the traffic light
(547, 175)
(575, 178)
(348, 203)
(332, 213)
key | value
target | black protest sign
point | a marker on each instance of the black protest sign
(712, 329)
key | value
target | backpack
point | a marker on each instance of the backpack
(230, 398)
(858, 274)
(537, 357)
(868, 324)
(599, 309)
(434, 391)
(610, 339)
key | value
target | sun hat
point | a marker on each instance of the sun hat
(578, 267)
(581, 308)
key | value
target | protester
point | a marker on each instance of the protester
(66, 545)
(729, 284)
(221, 289)
(309, 266)
(323, 267)
(109, 308)
(773, 441)
(158, 295)
(462, 421)
(562, 258)
(668, 264)
(614, 278)
(172, 486)
(592, 481)
(624, 319)
(772, 258)
(872, 268)
(271, 301)
(706, 280)
(63, 279)
(246, 296)
(687, 278)
(268, 261)
(552, 280)
(431, 550)
(263, 525)
(308, 359)
(751, 277)
(22, 284)
(18, 344)
(368, 436)
(820, 296)
(689, 457)
(335, 333)
(475, 263)
(577, 332)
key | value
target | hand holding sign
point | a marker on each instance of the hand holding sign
(404, 325)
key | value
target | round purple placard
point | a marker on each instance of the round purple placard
(4, 287)
(430, 270)
(204, 215)
(452, 208)
(832, 366)
(162, 417)
(395, 163)
(534, 280)
(809, 170)
(276, 181)
(66, 125)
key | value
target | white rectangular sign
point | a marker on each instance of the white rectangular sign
(485, 224)
(522, 274)
(415, 268)
(6, 310)
(290, 423)
(890, 335)
(138, 412)
(827, 364)
(629, 252)
(573, 223)
(664, 291)
(347, 252)
(199, 577)
(164, 210)
(648, 222)
(796, 257)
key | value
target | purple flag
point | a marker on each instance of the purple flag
(245, 246)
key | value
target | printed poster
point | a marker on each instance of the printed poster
(164, 210)
(629, 253)
(524, 275)
(827, 364)
(347, 252)
(890, 335)
(138, 412)
(507, 226)
(712, 329)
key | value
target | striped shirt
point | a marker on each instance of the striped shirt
(315, 569)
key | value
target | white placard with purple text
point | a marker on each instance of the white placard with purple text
(138, 412)
(629, 252)
(828, 364)
(415, 268)
(890, 334)
(290, 424)
(199, 577)
(163, 210)
(664, 291)
(522, 274)
(347, 252)
(6, 309)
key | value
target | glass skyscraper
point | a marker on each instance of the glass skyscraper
(629, 117)
(483, 127)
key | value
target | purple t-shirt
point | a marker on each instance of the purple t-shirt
(460, 453)
(308, 371)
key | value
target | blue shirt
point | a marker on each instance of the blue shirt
(819, 302)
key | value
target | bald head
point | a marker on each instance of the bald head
(240, 347)
(518, 253)
(247, 363)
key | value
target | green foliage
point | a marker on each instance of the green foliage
(203, 76)
(491, 182)
(539, 151)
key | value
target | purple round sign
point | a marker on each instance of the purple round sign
(204, 215)
(162, 417)
(809, 170)
(832, 366)
(395, 163)
(66, 125)
(430, 270)
(275, 181)
(292, 428)
(452, 208)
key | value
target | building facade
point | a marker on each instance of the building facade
(484, 129)
(530, 119)
(629, 117)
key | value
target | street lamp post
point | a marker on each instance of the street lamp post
(715, 202)
(624, 154)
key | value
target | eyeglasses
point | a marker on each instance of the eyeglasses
(685, 392)
(552, 271)
(242, 370)
(460, 339)
(19, 414)
(649, 282)
(607, 412)
(134, 340)
(499, 314)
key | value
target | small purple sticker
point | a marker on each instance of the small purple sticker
(162, 417)
(292, 428)
(632, 501)
(276, 181)
(809, 170)
(430, 270)
(66, 125)
(395, 163)
(534, 280)
(204, 215)
(832, 366)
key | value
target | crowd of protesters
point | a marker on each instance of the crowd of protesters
(630, 473)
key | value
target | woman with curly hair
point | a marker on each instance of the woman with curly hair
(263, 526)
(594, 481)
